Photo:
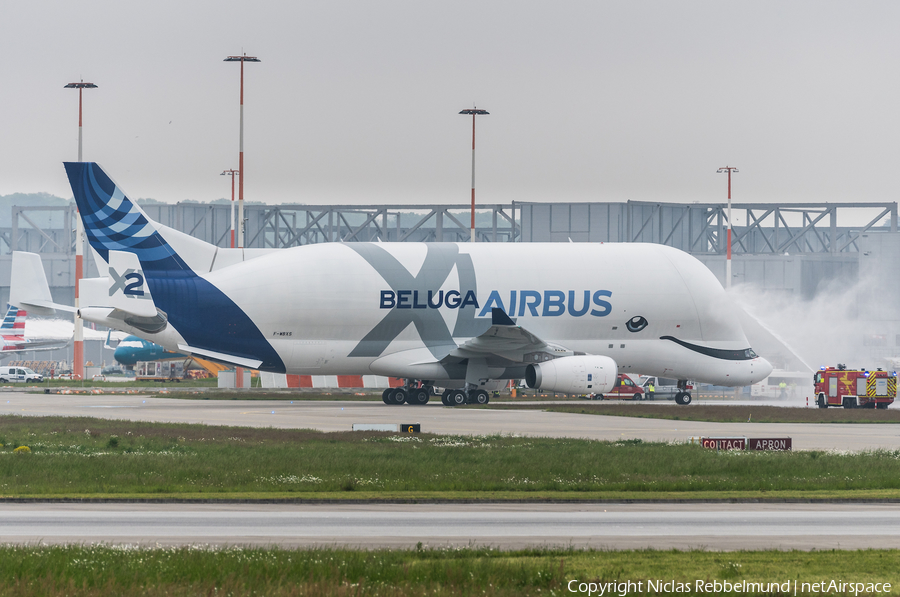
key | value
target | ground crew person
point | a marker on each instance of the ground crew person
(783, 386)
(650, 389)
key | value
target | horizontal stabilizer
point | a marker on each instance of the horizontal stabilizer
(219, 356)
(28, 286)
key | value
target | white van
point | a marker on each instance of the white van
(663, 388)
(11, 374)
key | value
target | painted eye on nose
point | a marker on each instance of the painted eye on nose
(636, 324)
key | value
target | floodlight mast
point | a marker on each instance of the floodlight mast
(239, 371)
(729, 170)
(474, 112)
(78, 338)
(242, 59)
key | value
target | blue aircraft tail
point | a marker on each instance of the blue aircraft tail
(193, 305)
(112, 222)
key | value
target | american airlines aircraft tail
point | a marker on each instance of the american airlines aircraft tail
(466, 316)
(14, 322)
(12, 335)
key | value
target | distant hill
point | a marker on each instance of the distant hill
(29, 200)
(41, 200)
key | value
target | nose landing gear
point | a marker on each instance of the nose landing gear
(683, 397)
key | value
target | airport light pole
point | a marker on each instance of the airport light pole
(239, 371)
(242, 59)
(232, 173)
(474, 112)
(729, 170)
(78, 349)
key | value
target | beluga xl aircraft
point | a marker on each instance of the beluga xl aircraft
(566, 317)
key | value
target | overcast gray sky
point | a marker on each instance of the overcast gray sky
(357, 101)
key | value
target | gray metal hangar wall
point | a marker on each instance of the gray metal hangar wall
(793, 248)
(797, 249)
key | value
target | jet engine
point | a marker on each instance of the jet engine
(573, 375)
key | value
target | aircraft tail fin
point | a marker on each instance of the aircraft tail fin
(113, 222)
(28, 287)
(14, 322)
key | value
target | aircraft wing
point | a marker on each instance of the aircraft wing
(35, 345)
(508, 341)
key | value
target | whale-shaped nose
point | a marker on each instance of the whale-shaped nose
(761, 369)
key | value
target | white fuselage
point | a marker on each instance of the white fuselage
(340, 308)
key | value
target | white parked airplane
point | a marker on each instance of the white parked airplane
(565, 316)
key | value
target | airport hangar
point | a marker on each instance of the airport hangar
(802, 250)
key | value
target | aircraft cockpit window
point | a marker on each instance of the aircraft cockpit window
(750, 354)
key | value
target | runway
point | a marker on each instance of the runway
(435, 418)
(611, 526)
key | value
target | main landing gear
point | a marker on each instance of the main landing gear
(417, 393)
(417, 396)
(460, 397)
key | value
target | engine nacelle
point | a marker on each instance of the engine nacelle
(573, 375)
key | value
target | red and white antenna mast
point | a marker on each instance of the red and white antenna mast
(78, 356)
(474, 112)
(729, 170)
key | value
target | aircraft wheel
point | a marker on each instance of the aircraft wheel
(418, 397)
(480, 397)
(386, 396)
(456, 398)
(686, 399)
(399, 395)
(444, 398)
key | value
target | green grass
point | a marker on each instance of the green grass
(718, 413)
(90, 571)
(86, 457)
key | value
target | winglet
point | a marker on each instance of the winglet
(499, 317)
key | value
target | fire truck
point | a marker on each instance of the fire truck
(854, 388)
